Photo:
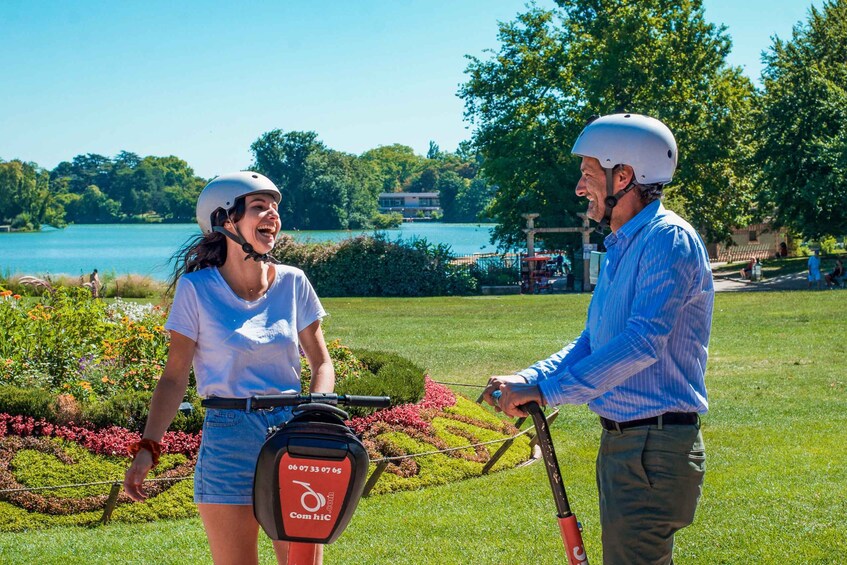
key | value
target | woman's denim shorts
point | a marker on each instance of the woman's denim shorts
(230, 447)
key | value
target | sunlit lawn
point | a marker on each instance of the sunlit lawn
(776, 485)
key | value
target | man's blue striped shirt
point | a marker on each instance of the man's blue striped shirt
(644, 347)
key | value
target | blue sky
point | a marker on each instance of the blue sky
(203, 80)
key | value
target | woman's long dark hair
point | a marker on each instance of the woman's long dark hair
(205, 250)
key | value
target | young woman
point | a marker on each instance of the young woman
(241, 321)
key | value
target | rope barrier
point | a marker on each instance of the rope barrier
(460, 384)
(380, 460)
(58, 487)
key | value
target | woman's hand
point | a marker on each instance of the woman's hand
(135, 475)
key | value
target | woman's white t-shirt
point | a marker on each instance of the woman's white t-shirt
(244, 348)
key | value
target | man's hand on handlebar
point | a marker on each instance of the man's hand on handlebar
(514, 392)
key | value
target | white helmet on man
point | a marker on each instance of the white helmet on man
(222, 192)
(642, 142)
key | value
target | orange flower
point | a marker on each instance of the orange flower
(16, 296)
(6, 293)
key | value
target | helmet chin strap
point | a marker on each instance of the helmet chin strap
(246, 247)
(612, 199)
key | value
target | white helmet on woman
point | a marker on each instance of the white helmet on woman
(642, 142)
(222, 192)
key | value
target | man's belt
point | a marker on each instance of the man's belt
(666, 419)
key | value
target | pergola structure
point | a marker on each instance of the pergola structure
(585, 230)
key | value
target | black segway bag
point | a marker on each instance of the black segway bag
(309, 476)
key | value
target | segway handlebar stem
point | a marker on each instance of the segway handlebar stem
(569, 528)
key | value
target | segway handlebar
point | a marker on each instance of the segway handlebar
(274, 400)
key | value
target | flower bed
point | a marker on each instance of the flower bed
(440, 421)
(68, 358)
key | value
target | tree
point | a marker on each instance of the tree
(84, 171)
(395, 165)
(434, 151)
(91, 207)
(25, 197)
(803, 125)
(282, 158)
(321, 188)
(556, 68)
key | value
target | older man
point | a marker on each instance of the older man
(641, 359)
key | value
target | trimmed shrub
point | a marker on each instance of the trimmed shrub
(28, 402)
(371, 373)
(387, 374)
(127, 410)
(375, 266)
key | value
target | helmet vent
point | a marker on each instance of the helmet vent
(255, 176)
(670, 154)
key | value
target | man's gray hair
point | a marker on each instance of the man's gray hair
(650, 192)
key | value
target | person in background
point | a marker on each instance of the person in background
(240, 321)
(836, 276)
(94, 282)
(640, 361)
(814, 265)
(747, 272)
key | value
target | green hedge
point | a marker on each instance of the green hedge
(387, 374)
(36, 403)
(375, 266)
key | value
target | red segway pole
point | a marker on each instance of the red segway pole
(568, 525)
(310, 473)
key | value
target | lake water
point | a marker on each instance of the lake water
(145, 249)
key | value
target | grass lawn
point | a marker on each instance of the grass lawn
(776, 484)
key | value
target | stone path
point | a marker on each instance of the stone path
(734, 283)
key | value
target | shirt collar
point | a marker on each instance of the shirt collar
(634, 225)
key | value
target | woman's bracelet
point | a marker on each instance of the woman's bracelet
(153, 447)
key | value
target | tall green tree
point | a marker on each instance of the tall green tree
(282, 157)
(395, 165)
(25, 198)
(803, 125)
(555, 68)
(321, 188)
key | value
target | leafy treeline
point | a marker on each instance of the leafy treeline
(96, 189)
(322, 188)
(745, 154)
(328, 189)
